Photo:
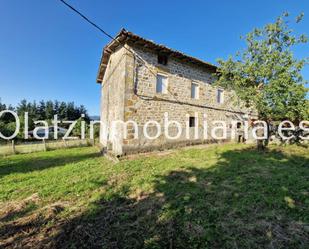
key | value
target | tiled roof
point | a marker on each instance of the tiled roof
(125, 36)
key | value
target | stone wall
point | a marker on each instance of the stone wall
(112, 99)
(135, 98)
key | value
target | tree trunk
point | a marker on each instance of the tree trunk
(262, 143)
(266, 141)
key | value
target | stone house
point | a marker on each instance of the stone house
(141, 81)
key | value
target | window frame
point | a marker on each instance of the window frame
(194, 122)
(162, 59)
(163, 90)
(197, 90)
(220, 100)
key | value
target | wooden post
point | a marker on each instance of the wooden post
(13, 147)
(65, 145)
(93, 142)
(44, 144)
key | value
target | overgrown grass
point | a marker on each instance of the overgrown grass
(221, 196)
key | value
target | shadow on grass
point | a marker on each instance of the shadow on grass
(14, 214)
(247, 200)
(36, 164)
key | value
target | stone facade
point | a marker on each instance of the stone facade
(129, 93)
(113, 97)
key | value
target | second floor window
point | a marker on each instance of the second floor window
(161, 86)
(220, 96)
(162, 59)
(194, 91)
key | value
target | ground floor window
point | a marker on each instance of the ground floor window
(192, 122)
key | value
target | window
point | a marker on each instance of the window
(220, 96)
(238, 125)
(161, 86)
(194, 91)
(162, 59)
(192, 122)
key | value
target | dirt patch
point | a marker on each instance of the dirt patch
(117, 179)
(18, 208)
(31, 230)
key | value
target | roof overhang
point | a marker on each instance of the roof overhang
(125, 36)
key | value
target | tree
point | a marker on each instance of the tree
(45, 110)
(266, 75)
(22, 107)
(62, 110)
(6, 117)
(41, 110)
(49, 110)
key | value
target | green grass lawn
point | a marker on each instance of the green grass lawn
(220, 196)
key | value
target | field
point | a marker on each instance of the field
(29, 147)
(218, 196)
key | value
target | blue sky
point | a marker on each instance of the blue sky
(48, 52)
